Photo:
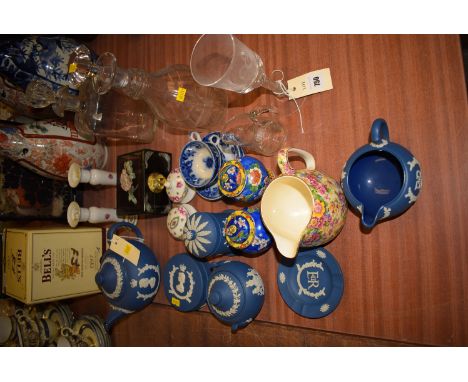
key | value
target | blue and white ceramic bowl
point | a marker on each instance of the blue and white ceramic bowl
(199, 163)
(230, 152)
(210, 192)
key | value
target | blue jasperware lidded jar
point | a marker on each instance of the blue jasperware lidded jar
(46, 58)
(185, 282)
(381, 179)
(204, 234)
(246, 232)
(243, 179)
(235, 293)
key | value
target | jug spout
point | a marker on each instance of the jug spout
(287, 247)
(368, 221)
(114, 315)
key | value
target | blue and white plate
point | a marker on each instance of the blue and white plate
(312, 284)
(229, 151)
(199, 163)
(210, 192)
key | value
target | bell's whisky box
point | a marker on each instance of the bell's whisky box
(47, 264)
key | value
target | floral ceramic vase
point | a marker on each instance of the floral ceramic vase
(27, 195)
(243, 179)
(302, 208)
(49, 147)
(39, 58)
(245, 231)
(235, 293)
(204, 234)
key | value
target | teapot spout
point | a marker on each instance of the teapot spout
(114, 315)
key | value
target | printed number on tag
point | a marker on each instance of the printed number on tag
(125, 249)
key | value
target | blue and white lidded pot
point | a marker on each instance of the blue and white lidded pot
(204, 234)
(235, 293)
(185, 282)
(245, 231)
(129, 278)
(382, 179)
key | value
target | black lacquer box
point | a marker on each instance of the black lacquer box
(140, 185)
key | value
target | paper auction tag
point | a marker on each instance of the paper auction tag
(181, 94)
(125, 249)
(72, 68)
(175, 301)
(310, 83)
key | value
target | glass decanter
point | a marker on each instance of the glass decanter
(110, 115)
(172, 94)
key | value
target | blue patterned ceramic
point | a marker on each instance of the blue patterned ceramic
(312, 284)
(204, 234)
(199, 163)
(127, 287)
(23, 60)
(229, 151)
(210, 192)
(245, 231)
(382, 179)
(185, 282)
(235, 293)
(243, 179)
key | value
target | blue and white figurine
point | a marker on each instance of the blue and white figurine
(245, 231)
(204, 234)
(235, 293)
(382, 179)
(126, 286)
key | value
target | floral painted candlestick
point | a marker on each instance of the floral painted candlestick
(95, 177)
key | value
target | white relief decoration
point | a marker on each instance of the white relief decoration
(324, 308)
(379, 145)
(411, 197)
(360, 208)
(412, 163)
(119, 278)
(256, 281)
(235, 294)
(133, 283)
(195, 236)
(312, 278)
(261, 243)
(127, 311)
(386, 212)
(418, 184)
(282, 277)
(179, 288)
(343, 175)
(321, 254)
(148, 267)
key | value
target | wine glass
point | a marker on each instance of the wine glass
(222, 61)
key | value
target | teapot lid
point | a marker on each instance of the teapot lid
(231, 178)
(226, 296)
(240, 229)
(185, 281)
(312, 285)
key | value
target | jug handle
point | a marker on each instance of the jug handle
(195, 136)
(119, 225)
(379, 131)
(283, 162)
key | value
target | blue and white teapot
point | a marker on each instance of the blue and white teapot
(382, 179)
(130, 277)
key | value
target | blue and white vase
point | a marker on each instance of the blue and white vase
(23, 60)
(235, 293)
(245, 231)
(381, 180)
(204, 234)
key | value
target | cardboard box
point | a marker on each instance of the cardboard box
(48, 264)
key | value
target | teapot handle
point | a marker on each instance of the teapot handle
(283, 162)
(119, 225)
(379, 131)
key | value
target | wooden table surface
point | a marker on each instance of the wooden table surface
(404, 281)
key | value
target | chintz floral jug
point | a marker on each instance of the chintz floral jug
(302, 208)
(382, 179)
(128, 283)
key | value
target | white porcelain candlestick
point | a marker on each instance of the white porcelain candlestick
(77, 214)
(77, 175)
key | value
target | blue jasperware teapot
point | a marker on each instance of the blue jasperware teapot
(126, 286)
(382, 179)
